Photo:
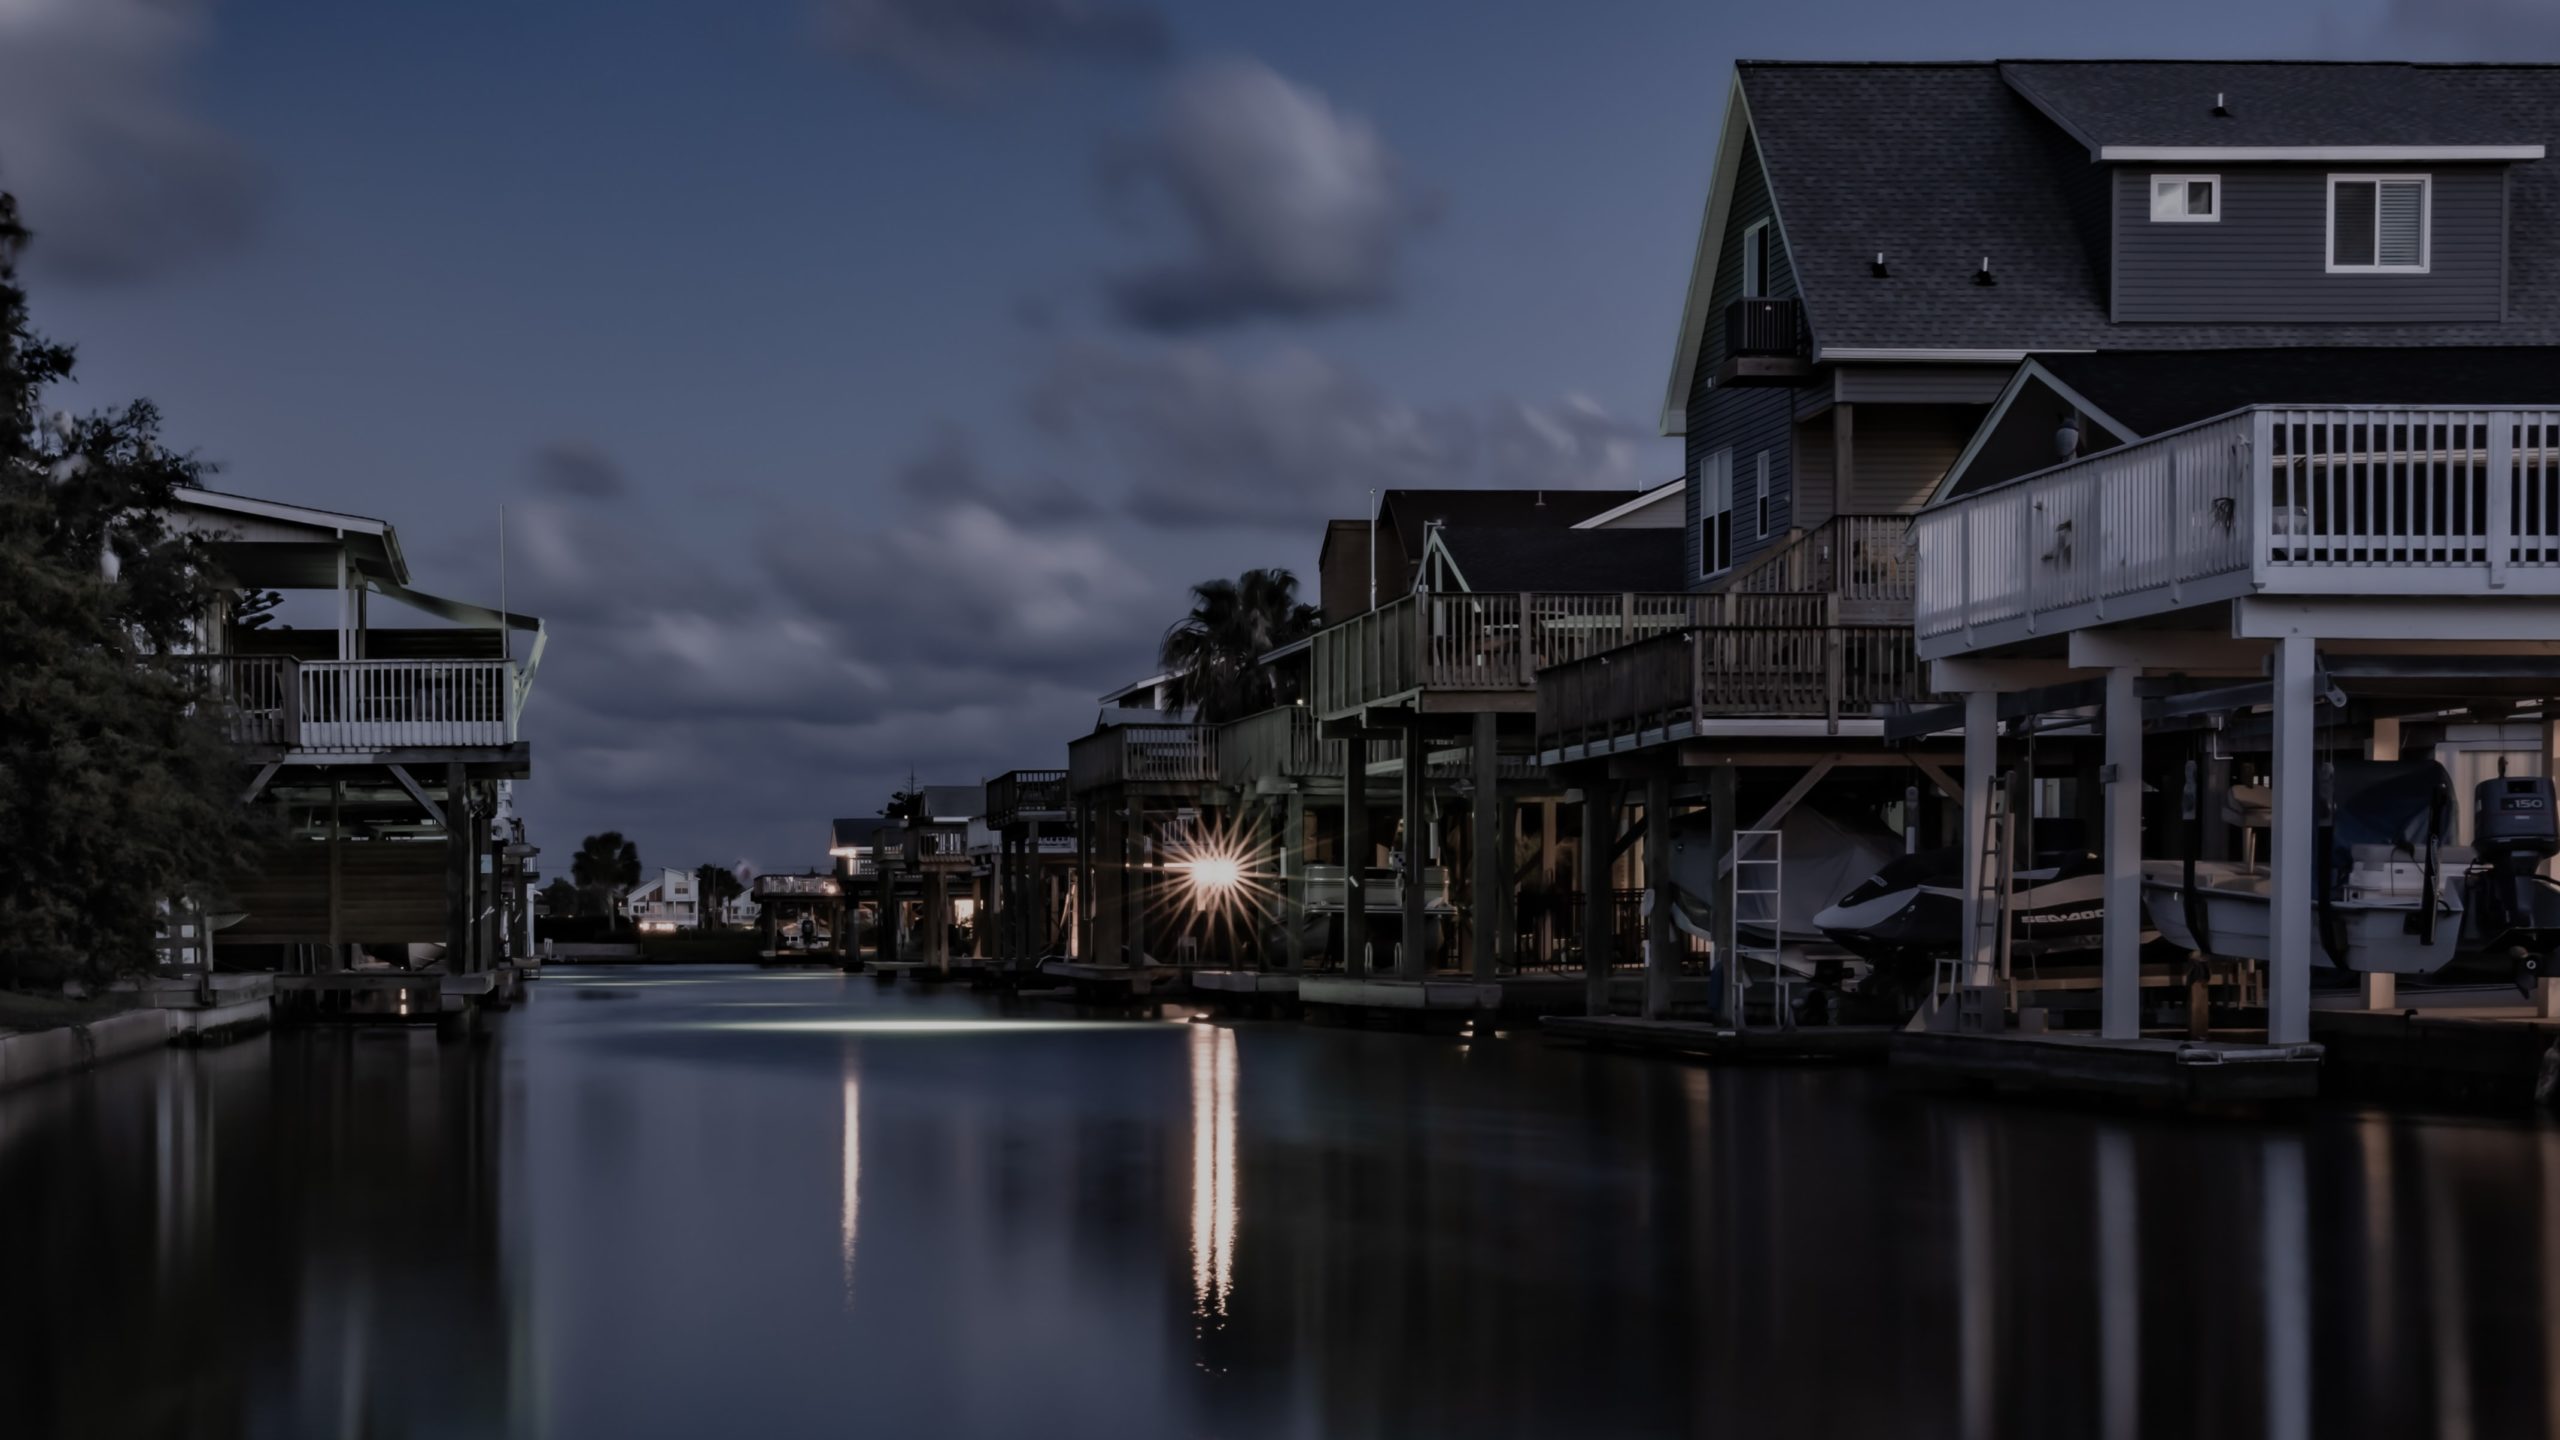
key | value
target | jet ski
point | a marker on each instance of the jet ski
(1912, 911)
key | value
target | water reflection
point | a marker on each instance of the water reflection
(625, 1220)
(1213, 1169)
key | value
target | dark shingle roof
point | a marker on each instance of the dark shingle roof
(1939, 166)
(2156, 390)
(2272, 102)
(1413, 510)
(1514, 558)
(852, 832)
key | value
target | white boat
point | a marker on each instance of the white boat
(2395, 894)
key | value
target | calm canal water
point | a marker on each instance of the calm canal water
(695, 1203)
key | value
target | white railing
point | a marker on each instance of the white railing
(369, 705)
(2292, 500)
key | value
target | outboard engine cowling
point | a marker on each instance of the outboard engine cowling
(2514, 827)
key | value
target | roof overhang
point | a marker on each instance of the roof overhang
(372, 546)
(1702, 264)
(2317, 154)
(1655, 496)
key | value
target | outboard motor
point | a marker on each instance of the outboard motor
(2514, 828)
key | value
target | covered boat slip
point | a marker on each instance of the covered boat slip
(2291, 589)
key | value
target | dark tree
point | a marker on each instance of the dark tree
(559, 898)
(1215, 652)
(718, 884)
(605, 868)
(118, 791)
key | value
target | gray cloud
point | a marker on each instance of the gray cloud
(965, 50)
(1205, 441)
(947, 472)
(576, 470)
(117, 177)
(1290, 207)
(2466, 29)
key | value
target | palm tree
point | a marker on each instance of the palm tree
(1215, 652)
(605, 867)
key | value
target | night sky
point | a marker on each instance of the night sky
(865, 380)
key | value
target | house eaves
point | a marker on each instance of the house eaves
(2318, 154)
(1655, 496)
(1702, 265)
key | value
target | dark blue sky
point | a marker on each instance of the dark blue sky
(865, 379)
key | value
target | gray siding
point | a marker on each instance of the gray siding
(1746, 420)
(1921, 384)
(1810, 496)
(2266, 259)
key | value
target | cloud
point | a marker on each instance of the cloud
(947, 472)
(1203, 440)
(1290, 207)
(115, 174)
(966, 50)
(2467, 29)
(576, 470)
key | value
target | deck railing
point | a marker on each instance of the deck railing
(1127, 754)
(1494, 641)
(1867, 560)
(2372, 500)
(1026, 794)
(362, 706)
(1283, 741)
(1802, 671)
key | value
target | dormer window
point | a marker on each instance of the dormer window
(2186, 199)
(2378, 224)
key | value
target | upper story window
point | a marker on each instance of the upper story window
(1755, 261)
(2378, 223)
(2186, 199)
(1715, 514)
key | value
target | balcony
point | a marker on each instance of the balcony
(358, 707)
(1764, 343)
(2279, 501)
(1779, 666)
(1465, 652)
(937, 845)
(1866, 560)
(1022, 796)
(1172, 754)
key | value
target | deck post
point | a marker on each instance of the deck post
(2120, 968)
(1547, 813)
(1291, 854)
(2290, 862)
(457, 871)
(1484, 903)
(937, 921)
(1135, 854)
(1723, 783)
(337, 922)
(1981, 757)
(1660, 964)
(1414, 957)
(1080, 925)
(1355, 855)
(2381, 990)
(1599, 808)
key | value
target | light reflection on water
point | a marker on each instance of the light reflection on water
(930, 1214)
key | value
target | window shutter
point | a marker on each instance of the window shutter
(2398, 237)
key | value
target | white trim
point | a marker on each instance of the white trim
(1702, 264)
(1651, 497)
(1895, 354)
(2320, 154)
(2426, 223)
(2030, 370)
(2185, 216)
(1759, 291)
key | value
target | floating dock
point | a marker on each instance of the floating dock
(2487, 1056)
(2181, 1071)
(1705, 1040)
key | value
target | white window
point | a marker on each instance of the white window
(2186, 199)
(1755, 261)
(1762, 496)
(2378, 224)
(1715, 513)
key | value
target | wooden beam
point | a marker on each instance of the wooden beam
(258, 782)
(1786, 803)
(418, 793)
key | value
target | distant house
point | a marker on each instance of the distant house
(667, 900)
(1386, 556)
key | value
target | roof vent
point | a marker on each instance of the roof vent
(1983, 275)
(2220, 110)
(1880, 271)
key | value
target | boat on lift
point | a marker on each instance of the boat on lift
(1912, 911)
(2388, 898)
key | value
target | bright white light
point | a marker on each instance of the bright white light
(1217, 872)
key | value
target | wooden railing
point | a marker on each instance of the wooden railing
(1867, 560)
(362, 706)
(1283, 741)
(1496, 641)
(2372, 501)
(1803, 671)
(1126, 754)
(1025, 794)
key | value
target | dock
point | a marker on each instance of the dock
(2179, 1071)
(1114, 982)
(1705, 1040)
(2477, 1056)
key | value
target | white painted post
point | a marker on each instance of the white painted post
(1981, 752)
(2381, 991)
(2289, 896)
(2120, 971)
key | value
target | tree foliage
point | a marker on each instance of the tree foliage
(1215, 652)
(118, 791)
(718, 885)
(605, 868)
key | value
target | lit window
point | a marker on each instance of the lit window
(2378, 223)
(2186, 199)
